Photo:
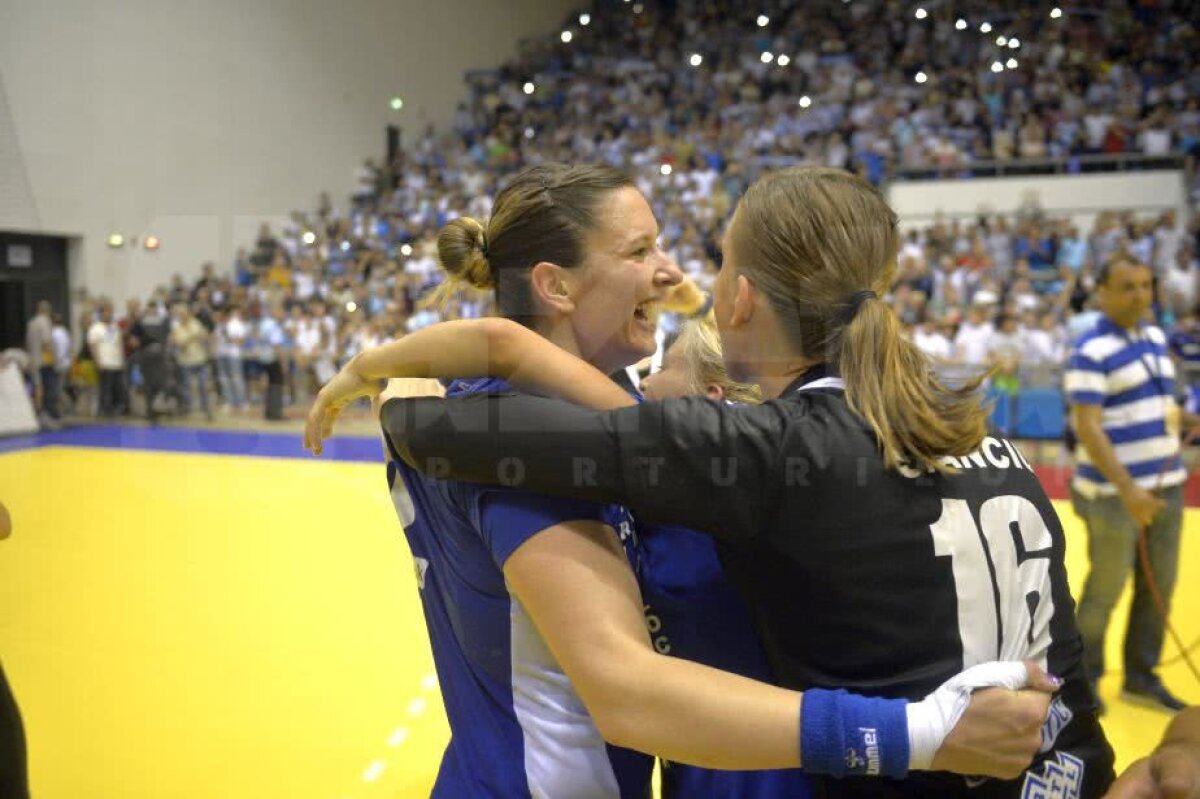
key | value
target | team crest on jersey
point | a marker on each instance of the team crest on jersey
(420, 566)
(1056, 721)
(1061, 778)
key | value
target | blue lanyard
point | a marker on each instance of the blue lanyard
(1155, 372)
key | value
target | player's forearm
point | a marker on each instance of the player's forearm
(1184, 730)
(493, 348)
(693, 714)
(448, 349)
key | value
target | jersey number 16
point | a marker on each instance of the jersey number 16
(1001, 562)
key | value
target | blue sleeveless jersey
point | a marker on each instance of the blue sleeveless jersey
(518, 728)
(694, 613)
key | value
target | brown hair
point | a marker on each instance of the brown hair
(543, 214)
(700, 344)
(1121, 257)
(811, 238)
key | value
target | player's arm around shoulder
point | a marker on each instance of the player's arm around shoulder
(574, 581)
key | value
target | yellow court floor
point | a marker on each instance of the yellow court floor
(183, 626)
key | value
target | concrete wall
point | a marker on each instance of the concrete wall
(1081, 197)
(196, 121)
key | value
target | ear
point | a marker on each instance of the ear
(551, 287)
(714, 392)
(744, 301)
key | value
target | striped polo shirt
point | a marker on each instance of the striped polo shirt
(1130, 375)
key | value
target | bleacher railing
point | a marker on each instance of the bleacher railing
(1066, 165)
(1034, 406)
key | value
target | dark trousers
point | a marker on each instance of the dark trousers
(112, 391)
(50, 389)
(14, 780)
(152, 360)
(273, 400)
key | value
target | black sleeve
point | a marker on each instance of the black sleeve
(694, 462)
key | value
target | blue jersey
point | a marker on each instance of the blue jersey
(1185, 344)
(518, 728)
(694, 613)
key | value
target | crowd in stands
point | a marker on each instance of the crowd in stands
(1009, 291)
(696, 98)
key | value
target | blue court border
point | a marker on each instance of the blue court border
(253, 443)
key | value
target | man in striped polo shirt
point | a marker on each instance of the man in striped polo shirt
(1120, 384)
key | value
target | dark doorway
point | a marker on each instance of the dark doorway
(12, 314)
(32, 268)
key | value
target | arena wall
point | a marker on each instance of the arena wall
(1080, 197)
(196, 121)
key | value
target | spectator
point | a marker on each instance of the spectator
(108, 353)
(1155, 136)
(270, 354)
(1168, 238)
(208, 279)
(1185, 348)
(189, 340)
(62, 358)
(1072, 251)
(1004, 354)
(151, 332)
(1136, 486)
(972, 342)
(1181, 284)
(930, 339)
(229, 339)
(39, 343)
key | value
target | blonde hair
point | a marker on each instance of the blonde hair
(811, 238)
(700, 345)
(543, 214)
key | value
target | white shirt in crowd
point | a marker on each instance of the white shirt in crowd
(231, 337)
(933, 343)
(1182, 284)
(1156, 141)
(913, 250)
(424, 266)
(308, 336)
(105, 343)
(1040, 346)
(1005, 345)
(1167, 241)
(303, 284)
(971, 343)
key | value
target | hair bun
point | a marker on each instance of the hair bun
(462, 252)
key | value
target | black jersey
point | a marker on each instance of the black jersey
(883, 582)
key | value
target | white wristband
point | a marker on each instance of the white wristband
(932, 719)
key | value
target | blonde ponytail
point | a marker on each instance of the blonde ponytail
(891, 383)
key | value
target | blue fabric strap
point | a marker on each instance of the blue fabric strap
(845, 735)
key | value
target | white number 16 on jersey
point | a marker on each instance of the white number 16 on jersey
(1001, 575)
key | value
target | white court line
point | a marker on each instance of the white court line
(373, 771)
(398, 737)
